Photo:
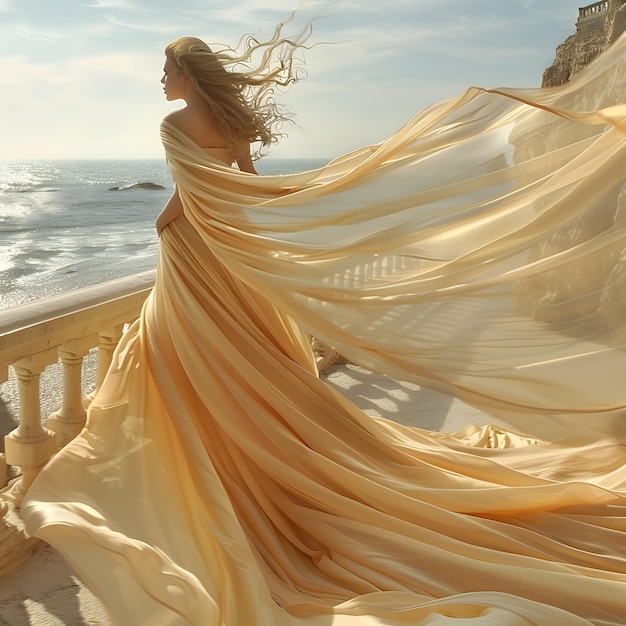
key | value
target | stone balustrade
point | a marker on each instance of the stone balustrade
(32, 337)
(592, 9)
(65, 328)
(592, 16)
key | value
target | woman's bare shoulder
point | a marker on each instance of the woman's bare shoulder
(197, 127)
(177, 118)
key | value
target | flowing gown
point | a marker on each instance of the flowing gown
(481, 251)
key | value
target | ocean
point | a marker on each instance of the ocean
(68, 224)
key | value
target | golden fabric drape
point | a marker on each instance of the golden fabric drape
(479, 251)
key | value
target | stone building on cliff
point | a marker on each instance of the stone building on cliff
(598, 26)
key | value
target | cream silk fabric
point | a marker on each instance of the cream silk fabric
(479, 251)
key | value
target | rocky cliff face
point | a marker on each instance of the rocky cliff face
(580, 49)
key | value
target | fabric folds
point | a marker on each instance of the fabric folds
(480, 251)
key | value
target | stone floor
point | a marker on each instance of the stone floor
(45, 591)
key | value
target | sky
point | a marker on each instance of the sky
(81, 78)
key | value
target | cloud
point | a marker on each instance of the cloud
(83, 78)
(32, 35)
(106, 105)
(155, 26)
(119, 73)
(112, 4)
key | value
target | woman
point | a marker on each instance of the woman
(198, 120)
(220, 481)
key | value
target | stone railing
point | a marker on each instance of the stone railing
(62, 329)
(592, 16)
(33, 336)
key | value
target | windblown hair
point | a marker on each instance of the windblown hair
(239, 83)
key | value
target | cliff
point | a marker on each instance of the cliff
(580, 49)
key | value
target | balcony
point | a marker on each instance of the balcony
(592, 16)
(61, 330)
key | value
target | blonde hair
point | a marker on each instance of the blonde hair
(239, 83)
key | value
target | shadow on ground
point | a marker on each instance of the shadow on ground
(8, 421)
(56, 599)
(379, 396)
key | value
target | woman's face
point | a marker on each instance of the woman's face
(174, 80)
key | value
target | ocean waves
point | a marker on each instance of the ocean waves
(71, 224)
(62, 228)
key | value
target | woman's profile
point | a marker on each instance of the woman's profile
(220, 480)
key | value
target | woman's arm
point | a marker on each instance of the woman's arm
(245, 163)
(174, 206)
(171, 211)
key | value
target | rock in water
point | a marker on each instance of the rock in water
(146, 185)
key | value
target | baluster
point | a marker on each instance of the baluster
(108, 340)
(15, 547)
(69, 420)
(29, 446)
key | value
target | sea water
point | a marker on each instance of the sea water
(69, 224)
